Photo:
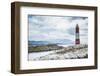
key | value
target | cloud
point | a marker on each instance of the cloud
(47, 28)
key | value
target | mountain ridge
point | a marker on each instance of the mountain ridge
(56, 41)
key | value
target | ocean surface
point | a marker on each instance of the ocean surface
(58, 42)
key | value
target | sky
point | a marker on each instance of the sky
(57, 28)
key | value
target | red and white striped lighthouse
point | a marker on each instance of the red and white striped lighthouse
(77, 39)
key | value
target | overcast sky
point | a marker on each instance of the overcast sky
(47, 28)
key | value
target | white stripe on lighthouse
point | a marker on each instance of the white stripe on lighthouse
(77, 35)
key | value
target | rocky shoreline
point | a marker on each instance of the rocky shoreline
(70, 52)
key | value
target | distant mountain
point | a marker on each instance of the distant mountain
(54, 41)
(38, 42)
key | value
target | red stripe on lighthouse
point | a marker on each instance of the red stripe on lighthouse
(77, 41)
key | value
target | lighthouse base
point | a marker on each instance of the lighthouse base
(77, 41)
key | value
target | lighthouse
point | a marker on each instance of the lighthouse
(77, 38)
